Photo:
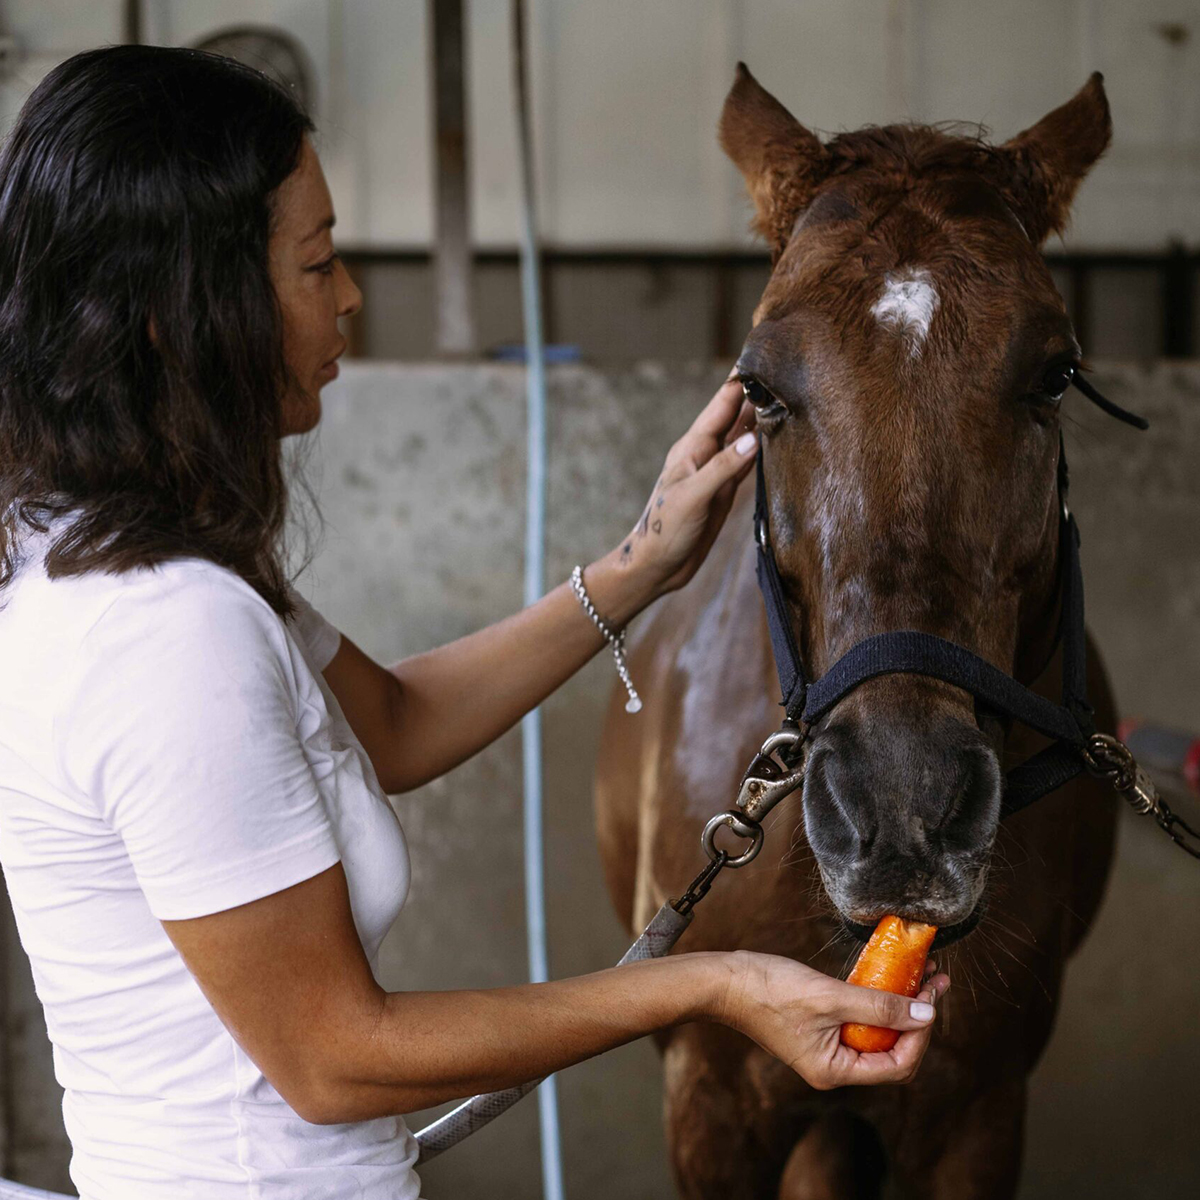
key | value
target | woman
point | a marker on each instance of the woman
(194, 824)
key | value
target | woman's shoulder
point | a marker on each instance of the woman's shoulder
(171, 599)
(168, 643)
(173, 583)
(186, 600)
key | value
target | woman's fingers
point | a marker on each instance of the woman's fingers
(732, 462)
(871, 1006)
(897, 1065)
(694, 492)
(715, 418)
(706, 434)
(901, 1062)
(746, 420)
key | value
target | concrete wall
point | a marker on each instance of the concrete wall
(419, 472)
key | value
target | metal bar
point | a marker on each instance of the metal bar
(1081, 315)
(131, 22)
(1177, 304)
(452, 258)
(724, 334)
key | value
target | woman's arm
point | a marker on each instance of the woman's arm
(426, 714)
(338, 1047)
(454, 700)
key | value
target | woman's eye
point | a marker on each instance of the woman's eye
(326, 267)
(758, 395)
(1056, 380)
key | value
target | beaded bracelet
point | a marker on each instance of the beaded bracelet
(615, 640)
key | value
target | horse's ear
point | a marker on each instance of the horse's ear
(781, 161)
(1050, 159)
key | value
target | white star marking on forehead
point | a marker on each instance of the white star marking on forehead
(907, 304)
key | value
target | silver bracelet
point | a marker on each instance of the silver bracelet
(615, 640)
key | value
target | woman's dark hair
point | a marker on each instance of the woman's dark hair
(136, 186)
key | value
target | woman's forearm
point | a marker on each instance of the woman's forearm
(458, 698)
(429, 1047)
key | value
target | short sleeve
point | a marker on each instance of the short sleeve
(179, 722)
(321, 637)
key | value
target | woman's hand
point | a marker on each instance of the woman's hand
(693, 493)
(797, 1013)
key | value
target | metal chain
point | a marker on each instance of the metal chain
(1166, 822)
(699, 886)
(614, 639)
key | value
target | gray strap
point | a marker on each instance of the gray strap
(20, 1191)
(657, 939)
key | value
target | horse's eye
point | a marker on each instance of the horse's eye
(758, 395)
(1056, 380)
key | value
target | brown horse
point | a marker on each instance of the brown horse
(906, 360)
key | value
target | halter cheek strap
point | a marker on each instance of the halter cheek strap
(1070, 724)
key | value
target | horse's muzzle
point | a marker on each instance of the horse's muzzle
(946, 935)
(902, 820)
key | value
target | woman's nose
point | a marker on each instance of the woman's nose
(349, 297)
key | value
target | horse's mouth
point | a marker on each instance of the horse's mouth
(946, 935)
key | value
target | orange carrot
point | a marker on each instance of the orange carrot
(892, 961)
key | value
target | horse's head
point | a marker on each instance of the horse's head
(906, 361)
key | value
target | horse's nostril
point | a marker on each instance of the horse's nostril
(915, 791)
(954, 807)
(974, 804)
(836, 822)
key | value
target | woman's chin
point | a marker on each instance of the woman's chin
(300, 419)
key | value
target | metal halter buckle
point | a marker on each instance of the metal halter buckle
(760, 531)
(1106, 757)
(776, 771)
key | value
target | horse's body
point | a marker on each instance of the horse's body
(739, 1123)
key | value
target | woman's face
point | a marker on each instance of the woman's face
(313, 287)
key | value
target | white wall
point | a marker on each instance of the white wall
(627, 95)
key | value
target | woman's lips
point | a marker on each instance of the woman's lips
(331, 367)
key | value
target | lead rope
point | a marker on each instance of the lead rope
(775, 772)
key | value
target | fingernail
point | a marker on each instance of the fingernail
(921, 1011)
(745, 443)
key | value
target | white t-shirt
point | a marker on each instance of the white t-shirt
(168, 749)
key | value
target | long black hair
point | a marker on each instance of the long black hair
(136, 187)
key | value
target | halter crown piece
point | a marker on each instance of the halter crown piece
(1076, 745)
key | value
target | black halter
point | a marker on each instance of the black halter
(1069, 724)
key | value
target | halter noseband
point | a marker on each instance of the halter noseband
(1069, 724)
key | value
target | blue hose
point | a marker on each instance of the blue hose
(535, 572)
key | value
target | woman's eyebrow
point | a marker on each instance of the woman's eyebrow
(328, 223)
